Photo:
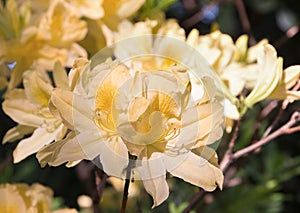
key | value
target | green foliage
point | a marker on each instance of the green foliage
(263, 178)
(177, 209)
(152, 7)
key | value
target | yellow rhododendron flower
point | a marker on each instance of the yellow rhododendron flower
(273, 82)
(30, 199)
(164, 117)
(29, 108)
(17, 39)
(99, 30)
(24, 198)
(60, 26)
(39, 41)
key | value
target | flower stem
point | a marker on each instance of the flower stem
(131, 164)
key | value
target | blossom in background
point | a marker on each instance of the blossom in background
(17, 39)
(163, 117)
(24, 198)
(99, 29)
(29, 108)
(28, 40)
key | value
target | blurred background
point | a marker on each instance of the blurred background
(266, 181)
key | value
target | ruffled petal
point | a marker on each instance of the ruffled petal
(60, 76)
(20, 109)
(114, 156)
(17, 133)
(153, 174)
(39, 138)
(61, 151)
(158, 188)
(198, 171)
(37, 90)
(269, 77)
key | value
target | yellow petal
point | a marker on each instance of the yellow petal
(129, 7)
(61, 151)
(269, 75)
(253, 50)
(114, 152)
(21, 110)
(39, 138)
(16, 133)
(153, 174)
(37, 90)
(60, 76)
(90, 9)
(137, 108)
(77, 68)
(61, 106)
(291, 75)
(241, 48)
(158, 189)
(198, 171)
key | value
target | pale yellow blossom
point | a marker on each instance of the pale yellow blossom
(60, 26)
(24, 198)
(29, 108)
(30, 199)
(164, 116)
(100, 30)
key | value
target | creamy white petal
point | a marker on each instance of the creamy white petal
(61, 151)
(37, 90)
(152, 171)
(198, 171)
(114, 156)
(16, 133)
(40, 137)
(60, 76)
(269, 75)
(158, 188)
(20, 109)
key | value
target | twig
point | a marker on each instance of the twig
(194, 201)
(290, 33)
(100, 181)
(283, 107)
(228, 153)
(226, 159)
(194, 19)
(83, 171)
(245, 20)
(284, 130)
(131, 165)
(268, 109)
(6, 162)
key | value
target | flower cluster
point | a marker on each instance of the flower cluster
(248, 74)
(152, 103)
(36, 34)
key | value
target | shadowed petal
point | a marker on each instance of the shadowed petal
(16, 133)
(19, 108)
(39, 138)
(198, 171)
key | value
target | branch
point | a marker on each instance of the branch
(228, 154)
(284, 130)
(100, 181)
(290, 33)
(284, 105)
(194, 201)
(230, 157)
(6, 162)
(245, 20)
